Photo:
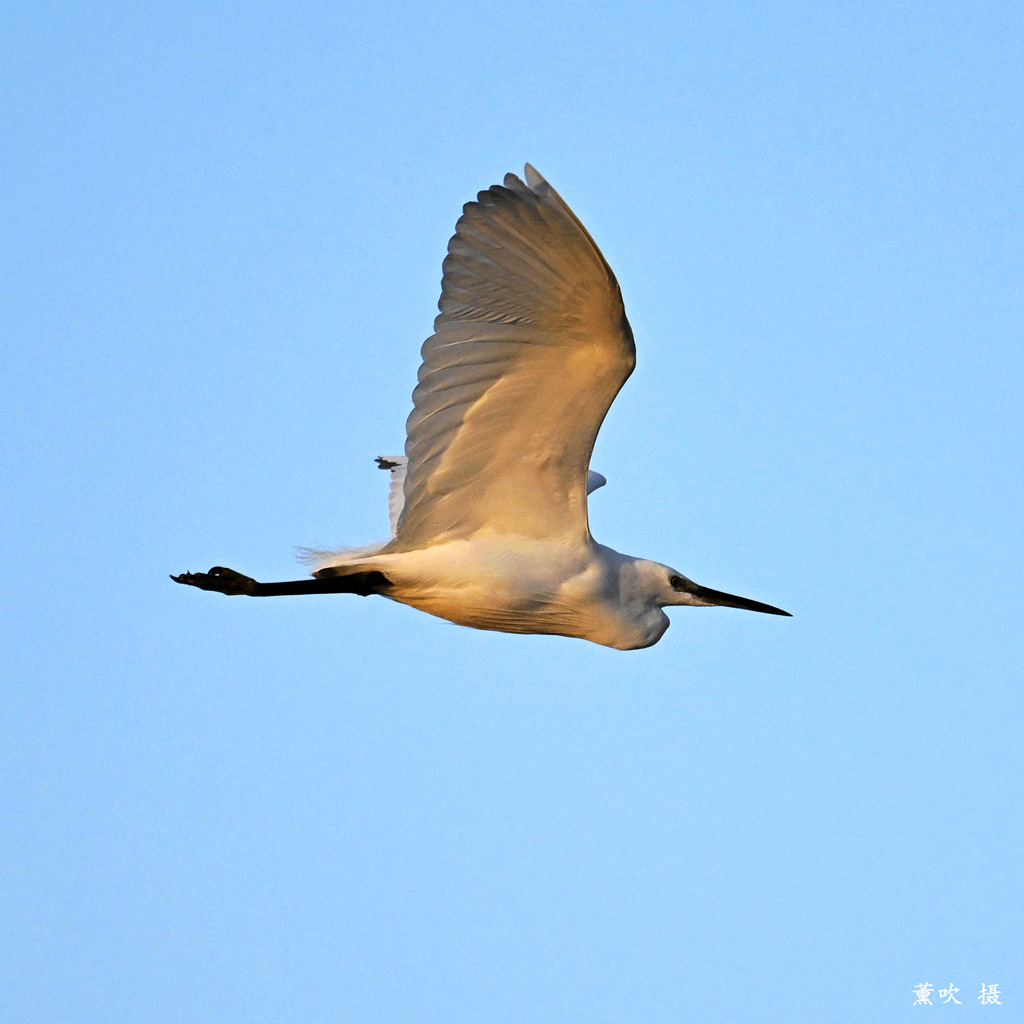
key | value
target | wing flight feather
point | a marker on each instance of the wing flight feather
(529, 350)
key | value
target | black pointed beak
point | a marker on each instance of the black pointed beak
(732, 601)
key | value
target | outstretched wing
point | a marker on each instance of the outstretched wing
(531, 347)
(397, 465)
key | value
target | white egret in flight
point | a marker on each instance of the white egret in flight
(489, 502)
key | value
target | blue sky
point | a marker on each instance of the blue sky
(224, 229)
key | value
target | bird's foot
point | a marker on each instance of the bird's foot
(224, 581)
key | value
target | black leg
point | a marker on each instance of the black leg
(227, 581)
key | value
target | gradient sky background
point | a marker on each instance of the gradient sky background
(224, 227)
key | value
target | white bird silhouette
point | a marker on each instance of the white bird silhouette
(489, 504)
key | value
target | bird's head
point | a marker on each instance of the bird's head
(675, 588)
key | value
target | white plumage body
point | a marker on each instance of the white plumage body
(518, 584)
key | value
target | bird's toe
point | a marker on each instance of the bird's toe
(219, 579)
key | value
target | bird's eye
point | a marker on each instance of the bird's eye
(675, 582)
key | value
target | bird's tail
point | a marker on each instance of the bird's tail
(318, 560)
